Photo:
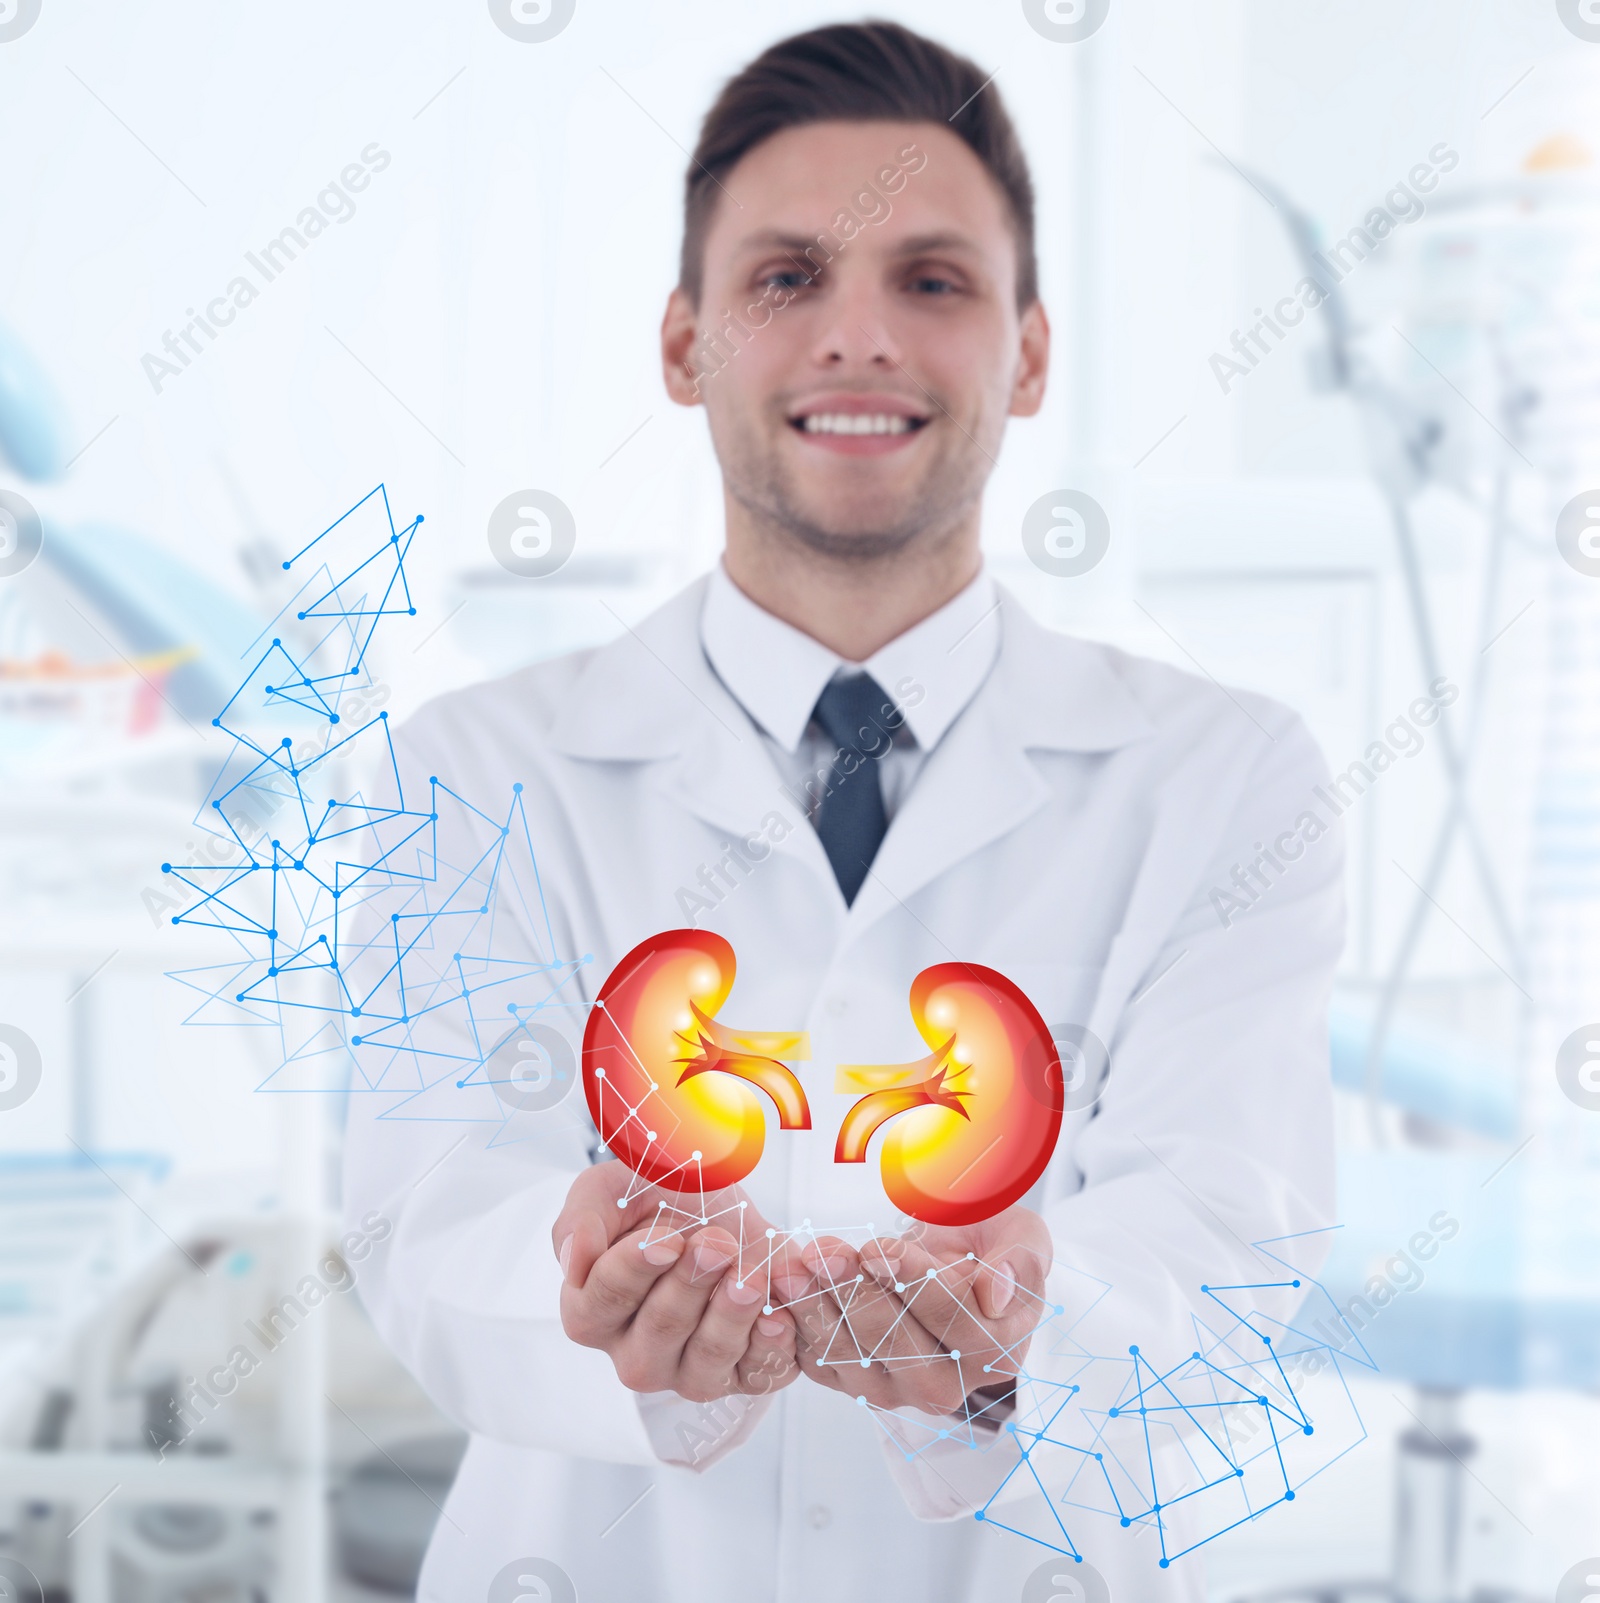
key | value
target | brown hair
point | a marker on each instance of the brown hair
(856, 72)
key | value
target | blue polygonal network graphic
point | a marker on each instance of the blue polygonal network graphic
(1187, 1447)
(1184, 1451)
(376, 965)
(380, 965)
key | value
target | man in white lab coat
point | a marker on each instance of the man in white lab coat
(857, 314)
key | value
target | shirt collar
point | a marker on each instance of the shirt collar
(776, 672)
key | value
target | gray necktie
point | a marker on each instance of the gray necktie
(860, 719)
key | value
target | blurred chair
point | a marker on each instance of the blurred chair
(32, 418)
(150, 606)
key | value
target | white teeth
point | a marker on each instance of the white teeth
(855, 423)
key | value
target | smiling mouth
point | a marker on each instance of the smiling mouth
(856, 423)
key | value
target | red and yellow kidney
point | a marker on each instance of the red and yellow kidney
(672, 1091)
(976, 1121)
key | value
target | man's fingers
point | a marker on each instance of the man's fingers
(649, 1354)
(769, 1362)
(711, 1356)
(936, 1293)
(727, 1210)
(598, 1212)
(822, 1337)
(596, 1313)
(787, 1277)
(884, 1258)
(585, 1227)
(929, 1378)
(831, 1261)
(824, 1349)
(580, 1239)
(917, 1367)
(975, 1308)
(875, 1312)
(835, 1269)
(879, 1389)
(997, 1289)
(861, 1336)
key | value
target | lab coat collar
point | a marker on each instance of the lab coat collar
(1048, 692)
(776, 671)
(651, 692)
(652, 695)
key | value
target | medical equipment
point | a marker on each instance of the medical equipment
(1503, 1291)
(1500, 290)
(1414, 439)
(180, 1385)
(111, 647)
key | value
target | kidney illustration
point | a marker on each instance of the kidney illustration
(975, 1121)
(672, 1091)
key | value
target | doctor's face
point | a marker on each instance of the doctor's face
(858, 345)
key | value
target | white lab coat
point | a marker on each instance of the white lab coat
(1069, 829)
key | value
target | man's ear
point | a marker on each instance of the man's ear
(679, 329)
(1033, 367)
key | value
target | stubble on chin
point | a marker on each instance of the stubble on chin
(860, 544)
(762, 489)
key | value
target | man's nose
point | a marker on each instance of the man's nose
(857, 332)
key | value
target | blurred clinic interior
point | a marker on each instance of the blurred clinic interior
(1382, 510)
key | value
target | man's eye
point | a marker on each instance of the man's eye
(933, 284)
(786, 278)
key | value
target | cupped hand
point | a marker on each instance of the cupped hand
(939, 1320)
(677, 1305)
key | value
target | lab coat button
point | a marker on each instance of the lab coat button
(819, 1516)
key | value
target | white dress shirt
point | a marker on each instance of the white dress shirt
(777, 673)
